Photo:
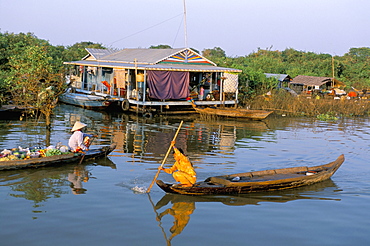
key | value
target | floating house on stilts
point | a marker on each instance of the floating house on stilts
(154, 81)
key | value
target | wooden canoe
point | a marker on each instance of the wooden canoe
(57, 159)
(235, 112)
(267, 180)
(308, 192)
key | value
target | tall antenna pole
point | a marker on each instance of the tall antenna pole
(185, 29)
(332, 68)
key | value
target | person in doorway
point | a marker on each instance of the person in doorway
(182, 170)
(201, 93)
(79, 141)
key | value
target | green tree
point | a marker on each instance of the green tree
(33, 82)
(363, 52)
(355, 67)
(161, 46)
(78, 50)
(214, 53)
(11, 45)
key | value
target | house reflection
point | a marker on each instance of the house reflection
(151, 139)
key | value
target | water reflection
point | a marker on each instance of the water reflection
(215, 148)
(39, 185)
(182, 207)
(149, 139)
(77, 177)
(180, 211)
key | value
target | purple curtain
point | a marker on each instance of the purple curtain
(168, 85)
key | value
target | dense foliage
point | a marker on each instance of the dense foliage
(28, 66)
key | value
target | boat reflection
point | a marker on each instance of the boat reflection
(182, 206)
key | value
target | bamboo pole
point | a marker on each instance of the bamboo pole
(164, 159)
(185, 27)
(332, 67)
(136, 88)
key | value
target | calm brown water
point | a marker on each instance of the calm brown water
(42, 207)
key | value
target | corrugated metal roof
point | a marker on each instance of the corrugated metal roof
(141, 56)
(168, 67)
(98, 53)
(280, 77)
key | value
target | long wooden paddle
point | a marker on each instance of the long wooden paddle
(165, 158)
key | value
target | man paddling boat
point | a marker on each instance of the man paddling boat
(182, 170)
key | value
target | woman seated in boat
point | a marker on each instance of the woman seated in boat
(79, 141)
(182, 170)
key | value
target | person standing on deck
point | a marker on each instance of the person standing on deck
(182, 170)
(79, 141)
(201, 93)
(207, 89)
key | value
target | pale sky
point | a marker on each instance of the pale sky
(239, 27)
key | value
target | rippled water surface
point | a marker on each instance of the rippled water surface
(103, 202)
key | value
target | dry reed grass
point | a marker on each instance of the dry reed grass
(284, 103)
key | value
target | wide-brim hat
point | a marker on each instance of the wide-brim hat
(78, 125)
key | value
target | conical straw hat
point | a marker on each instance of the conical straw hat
(78, 125)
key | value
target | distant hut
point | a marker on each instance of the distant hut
(309, 84)
(283, 82)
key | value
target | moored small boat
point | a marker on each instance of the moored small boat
(253, 114)
(88, 101)
(267, 180)
(57, 159)
(235, 113)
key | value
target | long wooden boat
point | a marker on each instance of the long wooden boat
(233, 112)
(57, 159)
(88, 101)
(308, 192)
(267, 180)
